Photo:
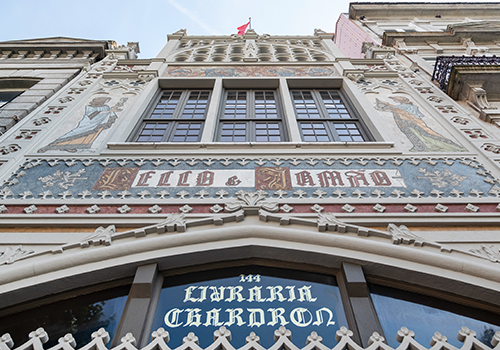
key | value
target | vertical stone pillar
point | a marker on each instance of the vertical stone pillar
(140, 308)
(364, 312)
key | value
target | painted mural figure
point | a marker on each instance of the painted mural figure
(410, 121)
(98, 117)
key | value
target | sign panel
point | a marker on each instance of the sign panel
(223, 178)
(250, 303)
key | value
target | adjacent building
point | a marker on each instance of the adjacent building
(249, 191)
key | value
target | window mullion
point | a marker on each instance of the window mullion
(320, 104)
(325, 117)
(181, 104)
(212, 112)
(168, 131)
(137, 317)
(169, 134)
(250, 104)
(250, 116)
(365, 315)
(289, 115)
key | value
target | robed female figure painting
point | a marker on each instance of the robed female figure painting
(409, 120)
(98, 117)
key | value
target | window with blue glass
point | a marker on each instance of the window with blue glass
(80, 316)
(426, 315)
(8, 95)
(178, 116)
(250, 299)
(251, 116)
(325, 116)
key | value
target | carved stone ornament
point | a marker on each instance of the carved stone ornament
(402, 48)
(249, 47)
(100, 236)
(379, 208)
(31, 209)
(441, 208)
(251, 200)
(12, 254)
(410, 208)
(93, 209)
(282, 336)
(491, 252)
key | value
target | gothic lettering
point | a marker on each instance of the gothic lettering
(203, 294)
(268, 178)
(217, 295)
(304, 178)
(355, 177)
(233, 181)
(164, 179)
(196, 294)
(144, 177)
(275, 292)
(172, 318)
(380, 178)
(235, 293)
(254, 314)
(183, 178)
(291, 293)
(255, 295)
(327, 177)
(115, 179)
(234, 316)
(277, 314)
(299, 318)
(319, 317)
(188, 297)
(205, 178)
(213, 318)
(305, 294)
(193, 317)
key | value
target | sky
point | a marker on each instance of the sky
(149, 21)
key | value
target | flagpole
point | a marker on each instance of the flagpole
(250, 21)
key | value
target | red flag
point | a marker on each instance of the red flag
(243, 29)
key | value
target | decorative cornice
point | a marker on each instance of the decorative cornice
(250, 204)
(222, 340)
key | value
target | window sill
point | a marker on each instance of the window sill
(244, 145)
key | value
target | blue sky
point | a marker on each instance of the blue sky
(149, 21)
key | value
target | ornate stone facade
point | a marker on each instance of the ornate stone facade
(123, 184)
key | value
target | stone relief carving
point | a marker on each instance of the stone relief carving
(402, 48)
(489, 251)
(4, 150)
(100, 236)
(12, 254)
(250, 48)
(252, 203)
(251, 199)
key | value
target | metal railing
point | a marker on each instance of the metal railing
(444, 65)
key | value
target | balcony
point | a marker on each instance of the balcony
(473, 79)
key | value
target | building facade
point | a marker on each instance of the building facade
(455, 45)
(251, 191)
